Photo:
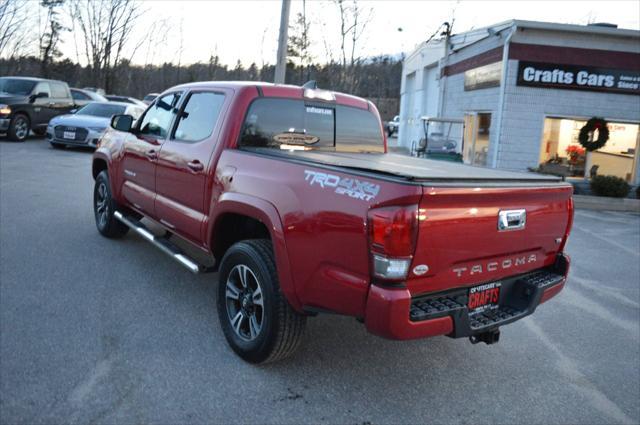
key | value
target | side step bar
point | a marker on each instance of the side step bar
(163, 244)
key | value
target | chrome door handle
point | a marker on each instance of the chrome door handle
(152, 154)
(195, 165)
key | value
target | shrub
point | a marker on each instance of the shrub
(610, 186)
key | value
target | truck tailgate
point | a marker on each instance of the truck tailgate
(460, 243)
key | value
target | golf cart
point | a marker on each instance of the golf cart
(443, 139)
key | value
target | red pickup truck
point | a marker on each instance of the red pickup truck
(291, 192)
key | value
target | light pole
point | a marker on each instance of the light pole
(281, 64)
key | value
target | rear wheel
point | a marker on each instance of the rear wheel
(257, 321)
(104, 208)
(19, 128)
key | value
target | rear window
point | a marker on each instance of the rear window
(299, 124)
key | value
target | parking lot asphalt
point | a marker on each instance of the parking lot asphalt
(112, 331)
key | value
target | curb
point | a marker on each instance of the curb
(603, 203)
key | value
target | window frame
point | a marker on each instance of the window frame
(184, 101)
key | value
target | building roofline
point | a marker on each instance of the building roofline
(586, 29)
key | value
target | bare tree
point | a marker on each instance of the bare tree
(157, 36)
(50, 37)
(14, 31)
(353, 22)
(106, 26)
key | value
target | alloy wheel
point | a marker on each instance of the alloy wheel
(244, 301)
(102, 204)
(21, 128)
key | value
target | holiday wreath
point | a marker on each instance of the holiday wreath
(587, 134)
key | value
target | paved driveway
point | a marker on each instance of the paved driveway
(101, 331)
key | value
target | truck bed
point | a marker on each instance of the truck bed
(418, 170)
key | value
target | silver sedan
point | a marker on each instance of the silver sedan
(86, 125)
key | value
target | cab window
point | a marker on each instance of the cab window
(199, 116)
(157, 121)
(42, 88)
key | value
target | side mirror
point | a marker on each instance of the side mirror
(122, 123)
(40, 95)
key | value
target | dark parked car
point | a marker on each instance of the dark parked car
(82, 97)
(30, 103)
(125, 99)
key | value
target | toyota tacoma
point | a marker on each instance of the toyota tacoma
(291, 193)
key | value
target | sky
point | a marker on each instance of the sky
(191, 31)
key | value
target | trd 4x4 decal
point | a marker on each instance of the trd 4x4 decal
(353, 188)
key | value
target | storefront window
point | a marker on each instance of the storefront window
(562, 154)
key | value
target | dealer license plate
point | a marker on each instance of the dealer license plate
(484, 297)
(69, 135)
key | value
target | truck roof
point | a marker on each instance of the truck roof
(276, 90)
(36, 79)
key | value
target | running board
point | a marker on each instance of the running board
(163, 244)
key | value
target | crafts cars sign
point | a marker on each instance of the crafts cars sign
(573, 77)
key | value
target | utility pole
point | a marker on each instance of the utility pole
(281, 64)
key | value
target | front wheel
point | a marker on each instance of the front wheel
(257, 321)
(19, 128)
(104, 208)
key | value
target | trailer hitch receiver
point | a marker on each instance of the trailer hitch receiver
(488, 338)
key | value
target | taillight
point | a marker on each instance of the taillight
(569, 225)
(393, 232)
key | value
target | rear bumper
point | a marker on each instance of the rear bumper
(393, 313)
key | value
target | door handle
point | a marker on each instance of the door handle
(195, 165)
(152, 154)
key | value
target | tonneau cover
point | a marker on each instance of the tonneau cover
(412, 168)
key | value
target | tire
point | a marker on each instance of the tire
(104, 207)
(257, 333)
(57, 145)
(19, 128)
